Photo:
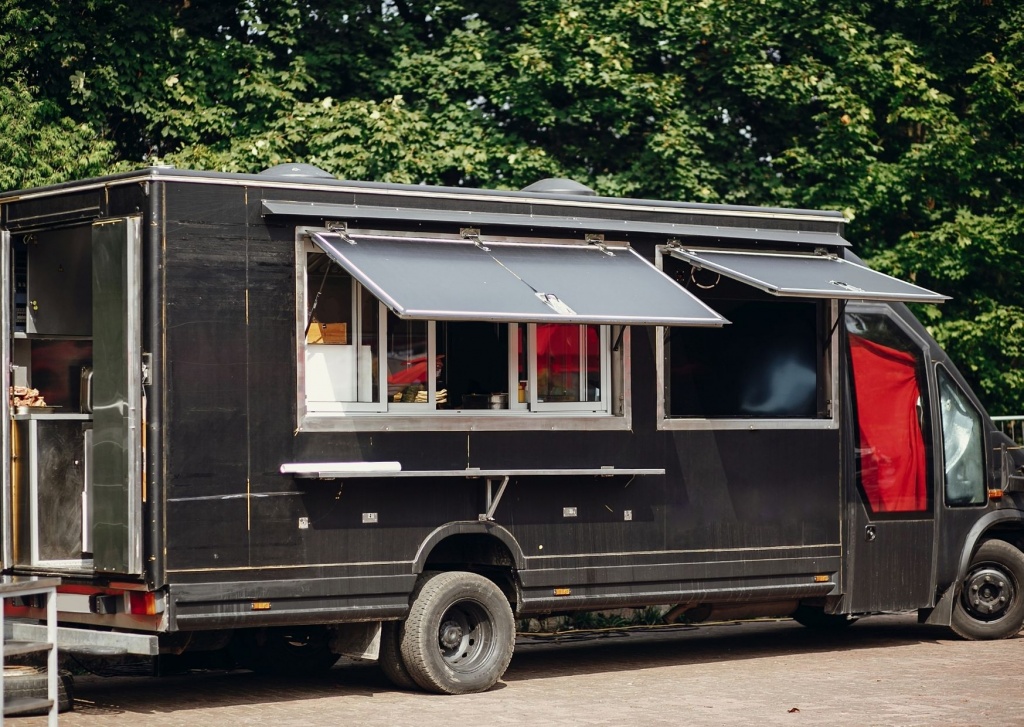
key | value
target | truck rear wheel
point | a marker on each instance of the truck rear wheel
(459, 635)
(991, 602)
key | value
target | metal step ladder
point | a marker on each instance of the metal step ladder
(46, 588)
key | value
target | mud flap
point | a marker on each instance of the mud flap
(942, 614)
(357, 640)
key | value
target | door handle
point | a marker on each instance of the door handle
(869, 533)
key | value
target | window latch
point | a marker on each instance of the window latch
(340, 229)
(597, 241)
(473, 235)
(846, 286)
(556, 304)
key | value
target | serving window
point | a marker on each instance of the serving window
(771, 362)
(400, 325)
(441, 365)
(777, 360)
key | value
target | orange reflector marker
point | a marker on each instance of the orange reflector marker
(142, 604)
(995, 494)
(563, 591)
(261, 605)
(821, 579)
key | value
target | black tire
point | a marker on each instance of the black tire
(459, 635)
(814, 617)
(25, 682)
(285, 651)
(390, 657)
(991, 601)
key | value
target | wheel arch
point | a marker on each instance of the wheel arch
(485, 539)
(1004, 524)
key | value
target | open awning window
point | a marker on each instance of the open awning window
(807, 275)
(431, 278)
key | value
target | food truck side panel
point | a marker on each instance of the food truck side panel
(230, 422)
(204, 374)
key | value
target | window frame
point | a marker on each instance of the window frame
(928, 391)
(613, 412)
(601, 406)
(940, 371)
(828, 390)
(428, 406)
(334, 407)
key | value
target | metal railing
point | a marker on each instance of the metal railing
(1012, 426)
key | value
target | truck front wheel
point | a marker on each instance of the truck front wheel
(459, 635)
(991, 602)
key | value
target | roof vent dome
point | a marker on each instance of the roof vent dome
(559, 185)
(296, 171)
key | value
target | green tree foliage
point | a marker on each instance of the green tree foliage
(39, 143)
(904, 115)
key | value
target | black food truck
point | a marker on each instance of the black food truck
(293, 417)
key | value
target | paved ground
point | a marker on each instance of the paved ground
(882, 671)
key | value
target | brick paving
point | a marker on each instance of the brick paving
(882, 671)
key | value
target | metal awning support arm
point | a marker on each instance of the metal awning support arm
(493, 499)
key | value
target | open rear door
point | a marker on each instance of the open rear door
(116, 448)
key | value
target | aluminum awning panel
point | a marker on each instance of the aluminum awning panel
(445, 279)
(807, 276)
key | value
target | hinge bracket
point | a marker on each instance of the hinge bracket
(597, 240)
(340, 229)
(473, 235)
(147, 369)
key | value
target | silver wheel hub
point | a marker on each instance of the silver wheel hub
(989, 592)
(450, 635)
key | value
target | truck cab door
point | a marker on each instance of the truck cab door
(116, 447)
(888, 467)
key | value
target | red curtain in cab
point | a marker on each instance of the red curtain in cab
(892, 452)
